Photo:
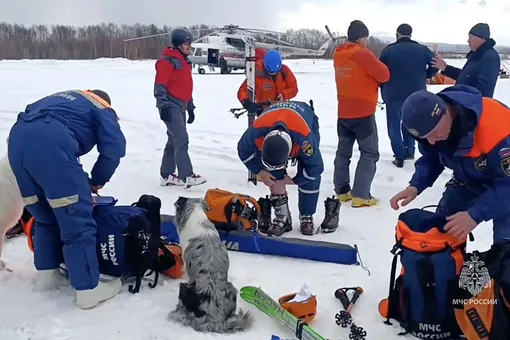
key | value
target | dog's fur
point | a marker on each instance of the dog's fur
(208, 301)
(11, 202)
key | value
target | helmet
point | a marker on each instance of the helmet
(273, 62)
(181, 36)
(276, 149)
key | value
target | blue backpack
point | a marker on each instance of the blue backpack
(421, 298)
(129, 240)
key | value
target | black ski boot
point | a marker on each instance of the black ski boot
(282, 221)
(264, 218)
(331, 219)
(307, 227)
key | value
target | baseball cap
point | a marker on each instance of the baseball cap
(421, 113)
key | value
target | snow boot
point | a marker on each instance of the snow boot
(306, 225)
(48, 280)
(282, 222)
(194, 180)
(86, 299)
(265, 214)
(331, 219)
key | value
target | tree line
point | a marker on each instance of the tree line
(107, 40)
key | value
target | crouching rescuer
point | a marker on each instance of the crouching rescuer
(44, 149)
(285, 131)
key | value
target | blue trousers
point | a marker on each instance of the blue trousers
(308, 192)
(402, 144)
(44, 158)
(460, 197)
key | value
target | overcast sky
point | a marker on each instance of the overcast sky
(432, 20)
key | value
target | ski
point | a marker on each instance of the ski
(250, 82)
(258, 298)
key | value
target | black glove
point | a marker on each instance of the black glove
(165, 114)
(252, 107)
(191, 116)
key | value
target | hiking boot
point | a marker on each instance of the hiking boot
(86, 299)
(409, 157)
(194, 180)
(264, 220)
(398, 163)
(282, 221)
(48, 280)
(171, 180)
(306, 225)
(358, 202)
(332, 218)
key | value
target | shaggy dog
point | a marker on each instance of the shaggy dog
(11, 202)
(207, 302)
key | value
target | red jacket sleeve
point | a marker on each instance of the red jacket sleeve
(242, 93)
(164, 71)
(378, 70)
(291, 87)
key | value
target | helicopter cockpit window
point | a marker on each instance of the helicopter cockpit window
(234, 42)
(198, 52)
(193, 51)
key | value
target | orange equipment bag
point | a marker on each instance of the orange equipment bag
(482, 306)
(420, 298)
(231, 211)
(305, 310)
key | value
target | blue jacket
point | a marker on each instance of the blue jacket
(481, 70)
(92, 124)
(410, 66)
(449, 154)
(300, 122)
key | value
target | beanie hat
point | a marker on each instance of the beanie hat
(481, 30)
(356, 31)
(421, 113)
(405, 29)
(103, 95)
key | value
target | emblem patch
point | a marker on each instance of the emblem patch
(481, 164)
(414, 132)
(504, 155)
(307, 148)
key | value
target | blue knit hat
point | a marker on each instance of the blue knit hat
(421, 113)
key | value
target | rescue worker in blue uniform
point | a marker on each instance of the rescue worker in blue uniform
(284, 131)
(469, 134)
(44, 147)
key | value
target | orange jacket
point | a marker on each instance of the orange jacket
(267, 87)
(358, 74)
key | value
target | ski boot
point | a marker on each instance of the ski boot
(264, 220)
(331, 219)
(306, 225)
(282, 222)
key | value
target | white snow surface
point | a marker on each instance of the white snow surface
(28, 315)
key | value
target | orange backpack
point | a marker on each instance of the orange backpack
(231, 211)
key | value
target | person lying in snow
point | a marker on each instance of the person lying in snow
(287, 131)
(44, 149)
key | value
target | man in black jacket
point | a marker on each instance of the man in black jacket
(483, 63)
(410, 67)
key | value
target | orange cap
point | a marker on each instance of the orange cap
(305, 310)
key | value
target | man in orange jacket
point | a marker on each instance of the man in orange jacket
(358, 74)
(274, 82)
(460, 130)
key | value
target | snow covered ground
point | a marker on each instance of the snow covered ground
(213, 137)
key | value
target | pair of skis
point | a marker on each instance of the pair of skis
(258, 298)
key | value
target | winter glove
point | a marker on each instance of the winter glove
(191, 116)
(165, 114)
(252, 107)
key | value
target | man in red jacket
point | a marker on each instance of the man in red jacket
(173, 90)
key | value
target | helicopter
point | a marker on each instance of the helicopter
(225, 48)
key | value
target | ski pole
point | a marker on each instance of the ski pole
(344, 318)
